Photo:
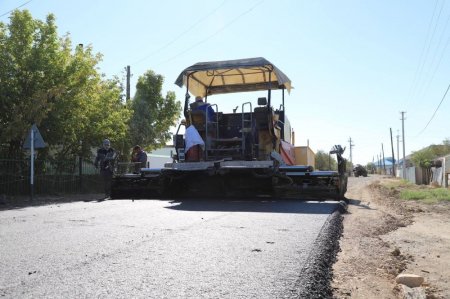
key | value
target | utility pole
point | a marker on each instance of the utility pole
(128, 83)
(403, 139)
(378, 163)
(373, 165)
(398, 152)
(384, 161)
(351, 154)
(32, 164)
(351, 146)
(381, 164)
(393, 157)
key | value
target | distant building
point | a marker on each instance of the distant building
(159, 157)
(387, 164)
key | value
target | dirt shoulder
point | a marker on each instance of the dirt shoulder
(385, 236)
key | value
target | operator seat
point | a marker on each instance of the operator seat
(261, 114)
(198, 119)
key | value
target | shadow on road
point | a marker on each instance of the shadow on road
(261, 205)
(21, 202)
(257, 205)
(357, 202)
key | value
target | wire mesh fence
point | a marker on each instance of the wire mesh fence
(51, 177)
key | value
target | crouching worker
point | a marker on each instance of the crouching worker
(105, 160)
(139, 157)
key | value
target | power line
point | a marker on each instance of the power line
(437, 108)
(15, 8)
(426, 53)
(444, 50)
(204, 40)
(403, 142)
(435, 52)
(212, 35)
(181, 34)
(413, 85)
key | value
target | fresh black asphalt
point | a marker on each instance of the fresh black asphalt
(164, 249)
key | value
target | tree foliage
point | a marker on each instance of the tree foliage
(349, 165)
(27, 57)
(441, 150)
(371, 167)
(43, 80)
(424, 157)
(153, 114)
(325, 161)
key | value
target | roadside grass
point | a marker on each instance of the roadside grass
(409, 191)
(397, 183)
(429, 195)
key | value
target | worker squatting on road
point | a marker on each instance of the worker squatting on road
(139, 157)
(105, 160)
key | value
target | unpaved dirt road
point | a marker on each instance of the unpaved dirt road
(158, 249)
(384, 236)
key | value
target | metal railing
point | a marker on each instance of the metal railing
(51, 177)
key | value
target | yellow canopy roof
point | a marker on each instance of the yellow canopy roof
(217, 77)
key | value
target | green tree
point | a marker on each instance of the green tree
(153, 114)
(349, 166)
(423, 158)
(325, 161)
(441, 149)
(44, 81)
(371, 167)
(28, 56)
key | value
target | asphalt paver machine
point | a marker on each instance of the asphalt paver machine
(245, 152)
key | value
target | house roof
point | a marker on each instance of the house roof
(388, 161)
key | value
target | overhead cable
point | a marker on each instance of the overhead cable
(413, 85)
(212, 35)
(181, 34)
(2, 15)
(420, 80)
(437, 108)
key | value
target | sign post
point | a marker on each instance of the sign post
(33, 141)
(32, 165)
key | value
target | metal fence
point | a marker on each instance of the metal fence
(441, 174)
(51, 177)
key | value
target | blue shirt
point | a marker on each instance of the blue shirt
(209, 111)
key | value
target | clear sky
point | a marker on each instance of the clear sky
(354, 64)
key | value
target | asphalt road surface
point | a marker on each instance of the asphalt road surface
(158, 249)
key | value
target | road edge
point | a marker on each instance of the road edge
(317, 274)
